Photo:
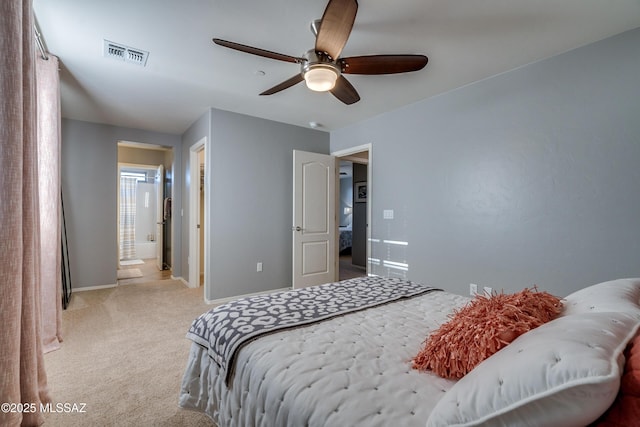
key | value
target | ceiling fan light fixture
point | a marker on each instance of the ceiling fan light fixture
(320, 78)
(322, 67)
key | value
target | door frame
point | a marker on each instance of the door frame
(348, 154)
(193, 259)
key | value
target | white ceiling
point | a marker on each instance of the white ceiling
(465, 40)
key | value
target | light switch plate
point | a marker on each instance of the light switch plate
(387, 214)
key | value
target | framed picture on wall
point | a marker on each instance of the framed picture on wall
(360, 194)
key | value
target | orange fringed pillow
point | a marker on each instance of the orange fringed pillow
(481, 328)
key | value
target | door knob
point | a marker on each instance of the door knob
(297, 228)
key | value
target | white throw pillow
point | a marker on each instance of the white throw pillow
(622, 295)
(563, 373)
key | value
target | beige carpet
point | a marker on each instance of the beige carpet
(348, 270)
(129, 273)
(123, 355)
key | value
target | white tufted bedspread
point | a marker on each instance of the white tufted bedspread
(353, 370)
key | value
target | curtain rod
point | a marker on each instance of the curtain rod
(40, 44)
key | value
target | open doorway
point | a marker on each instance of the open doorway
(144, 213)
(354, 212)
(197, 214)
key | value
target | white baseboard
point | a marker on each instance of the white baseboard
(92, 288)
(180, 279)
(225, 300)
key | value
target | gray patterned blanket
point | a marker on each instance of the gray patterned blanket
(224, 329)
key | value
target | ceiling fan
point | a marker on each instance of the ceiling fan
(322, 68)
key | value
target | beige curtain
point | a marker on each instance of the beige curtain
(22, 374)
(48, 93)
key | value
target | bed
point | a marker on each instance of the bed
(346, 238)
(354, 368)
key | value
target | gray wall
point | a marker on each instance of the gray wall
(529, 177)
(250, 163)
(89, 180)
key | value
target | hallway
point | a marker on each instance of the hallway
(149, 271)
(348, 270)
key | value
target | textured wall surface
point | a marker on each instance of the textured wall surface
(529, 177)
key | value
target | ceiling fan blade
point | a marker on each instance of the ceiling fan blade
(256, 51)
(335, 26)
(382, 64)
(284, 85)
(345, 92)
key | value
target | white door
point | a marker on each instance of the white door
(314, 219)
(159, 215)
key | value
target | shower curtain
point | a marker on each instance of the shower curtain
(128, 217)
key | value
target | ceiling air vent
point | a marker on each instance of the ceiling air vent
(112, 50)
(124, 53)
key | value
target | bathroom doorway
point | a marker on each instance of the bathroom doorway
(143, 213)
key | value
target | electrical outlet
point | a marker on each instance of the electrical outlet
(488, 291)
(473, 289)
(259, 267)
